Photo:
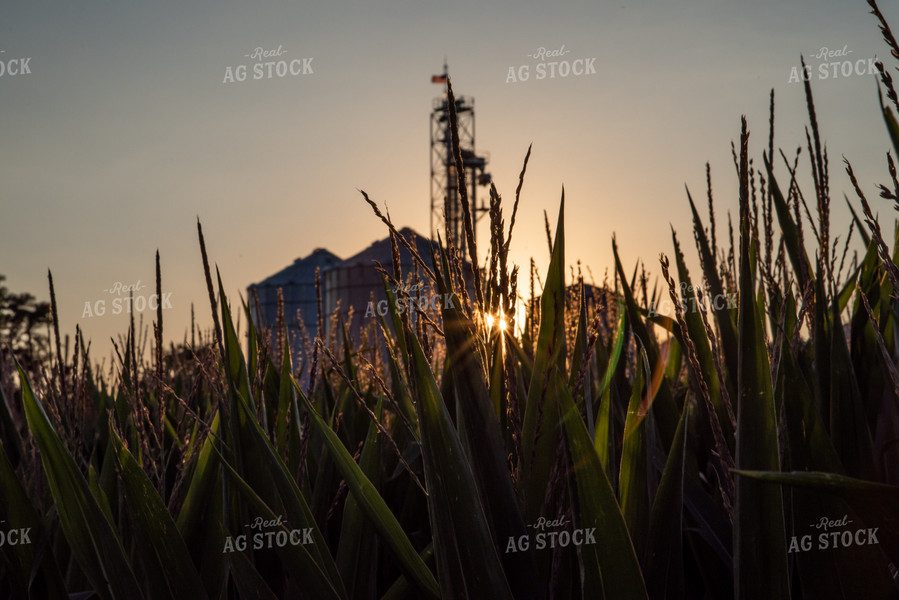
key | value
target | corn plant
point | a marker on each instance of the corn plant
(599, 449)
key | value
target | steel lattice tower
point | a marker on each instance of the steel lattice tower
(444, 182)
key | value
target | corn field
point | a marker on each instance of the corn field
(743, 443)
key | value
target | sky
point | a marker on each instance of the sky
(127, 129)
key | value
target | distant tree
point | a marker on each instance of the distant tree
(21, 320)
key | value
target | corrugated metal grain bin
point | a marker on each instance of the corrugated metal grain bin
(298, 284)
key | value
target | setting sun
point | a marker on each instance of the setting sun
(498, 320)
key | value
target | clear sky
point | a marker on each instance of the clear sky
(125, 130)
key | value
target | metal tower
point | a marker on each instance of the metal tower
(444, 182)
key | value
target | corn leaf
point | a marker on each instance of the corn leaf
(32, 569)
(90, 535)
(760, 552)
(155, 526)
(372, 504)
(610, 568)
(665, 562)
(540, 433)
(468, 565)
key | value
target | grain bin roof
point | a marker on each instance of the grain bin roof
(302, 271)
(381, 251)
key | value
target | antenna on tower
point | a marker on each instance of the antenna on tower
(444, 180)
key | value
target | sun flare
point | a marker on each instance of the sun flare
(499, 321)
